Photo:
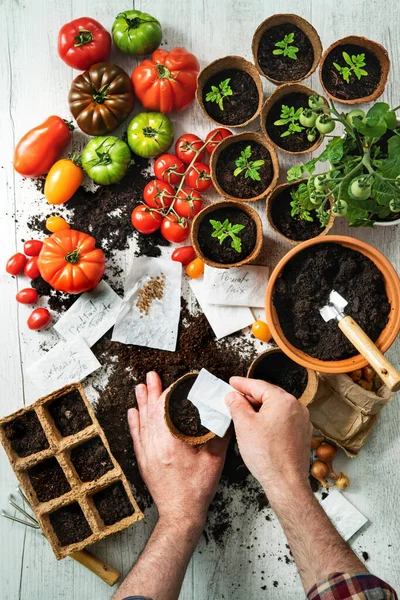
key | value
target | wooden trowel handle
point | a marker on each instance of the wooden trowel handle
(389, 375)
(97, 566)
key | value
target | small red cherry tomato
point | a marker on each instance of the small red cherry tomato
(187, 147)
(169, 168)
(27, 296)
(188, 203)
(145, 220)
(15, 265)
(199, 177)
(217, 135)
(184, 255)
(31, 268)
(195, 268)
(33, 247)
(175, 229)
(158, 194)
(39, 318)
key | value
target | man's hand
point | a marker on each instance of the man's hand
(273, 431)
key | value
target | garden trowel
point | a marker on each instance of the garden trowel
(334, 310)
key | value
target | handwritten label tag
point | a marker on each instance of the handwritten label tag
(240, 286)
(208, 395)
(91, 316)
(67, 362)
(346, 518)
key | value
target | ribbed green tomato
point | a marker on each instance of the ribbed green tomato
(105, 159)
(150, 134)
(136, 33)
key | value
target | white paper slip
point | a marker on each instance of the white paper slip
(67, 362)
(208, 395)
(91, 316)
(240, 286)
(346, 518)
(149, 313)
(224, 320)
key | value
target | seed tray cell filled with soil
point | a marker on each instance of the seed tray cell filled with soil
(26, 435)
(48, 480)
(295, 142)
(294, 228)
(69, 413)
(184, 415)
(91, 460)
(280, 370)
(113, 504)
(241, 103)
(70, 524)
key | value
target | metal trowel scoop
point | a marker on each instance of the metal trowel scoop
(334, 310)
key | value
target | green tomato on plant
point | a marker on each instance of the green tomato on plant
(357, 113)
(394, 205)
(105, 159)
(316, 199)
(308, 117)
(339, 209)
(312, 135)
(325, 124)
(150, 134)
(321, 183)
(136, 33)
(360, 188)
(315, 102)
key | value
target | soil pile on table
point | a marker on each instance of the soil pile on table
(280, 370)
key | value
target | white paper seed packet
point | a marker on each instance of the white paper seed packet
(208, 395)
(66, 363)
(239, 286)
(149, 313)
(346, 518)
(91, 316)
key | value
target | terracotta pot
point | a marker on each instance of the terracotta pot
(312, 377)
(207, 212)
(302, 24)
(388, 335)
(221, 64)
(375, 48)
(234, 139)
(274, 195)
(276, 96)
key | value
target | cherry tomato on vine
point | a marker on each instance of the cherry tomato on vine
(195, 268)
(15, 265)
(56, 223)
(188, 203)
(199, 177)
(33, 247)
(31, 268)
(175, 229)
(27, 296)
(145, 220)
(158, 194)
(217, 135)
(187, 146)
(184, 255)
(169, 168)
(325, 124)
(39, 318)
(261, 331)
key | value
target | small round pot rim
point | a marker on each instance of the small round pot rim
(387, 223)
(234, 139)
(210, 208)
(229, 62)
(377, 49)
(386, 338)
(188, 439)
(302, 24)
(312, 378)
(279, 92)
(274, 195)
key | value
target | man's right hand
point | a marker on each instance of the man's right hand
(273, 431)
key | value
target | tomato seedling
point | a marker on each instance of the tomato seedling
(218, 93)
(250, 168)
(354, 64)
(284, 47)
(225, 230)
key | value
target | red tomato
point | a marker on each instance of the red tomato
(188, 203)
(158, 194)
(169, 168)
(39, 318)
(145, 220)
(83, 42)
(31, 268)
(184, 255)
(199, 177)
(175, 229)
(33, 247)
(27, 296)
(187, 146)
(217, 135)
(15, 265)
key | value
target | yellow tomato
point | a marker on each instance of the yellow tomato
(55, 223)
(261, 331)
(62, 181)
(195, 268)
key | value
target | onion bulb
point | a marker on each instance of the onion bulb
(366, 385)
(320, 471)
(327, 452)
(342, 481)
(355, 375)
(316, 441)
(368, 373)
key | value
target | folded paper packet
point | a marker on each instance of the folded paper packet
(344, 515)
(208, 395)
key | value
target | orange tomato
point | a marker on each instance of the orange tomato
(62, 181)
(261, 331)
(195, 268)
(56, 223)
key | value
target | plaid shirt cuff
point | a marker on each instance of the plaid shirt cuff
(345, 586)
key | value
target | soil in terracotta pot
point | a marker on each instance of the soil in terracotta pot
(91, 460)
(284, 68)
(280, 370)
(224, 253)
(26, 434)
(356, 88)
(113, 504)
(69, 413)
(304, 288)
(70, 524)
(184, 415)
(296, 142)
(292, 227)
(239, 186)
(241, 105)
(48, 480)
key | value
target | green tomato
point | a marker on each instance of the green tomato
(353, 114)
(312, 135)
(339, 208)
(308, 117)
(321, 182)
(325, 124)
(394, 205)
(136, 33)
(105, 159)
(315, 102)
(150, 134)
(316, 198)
(360, 188)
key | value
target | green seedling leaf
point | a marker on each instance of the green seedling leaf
(284, 47)
(218, 94)
(225, 230)
(355, 64)
(250, 168)
(290, 117)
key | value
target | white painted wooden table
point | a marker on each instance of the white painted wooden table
(35, 84)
